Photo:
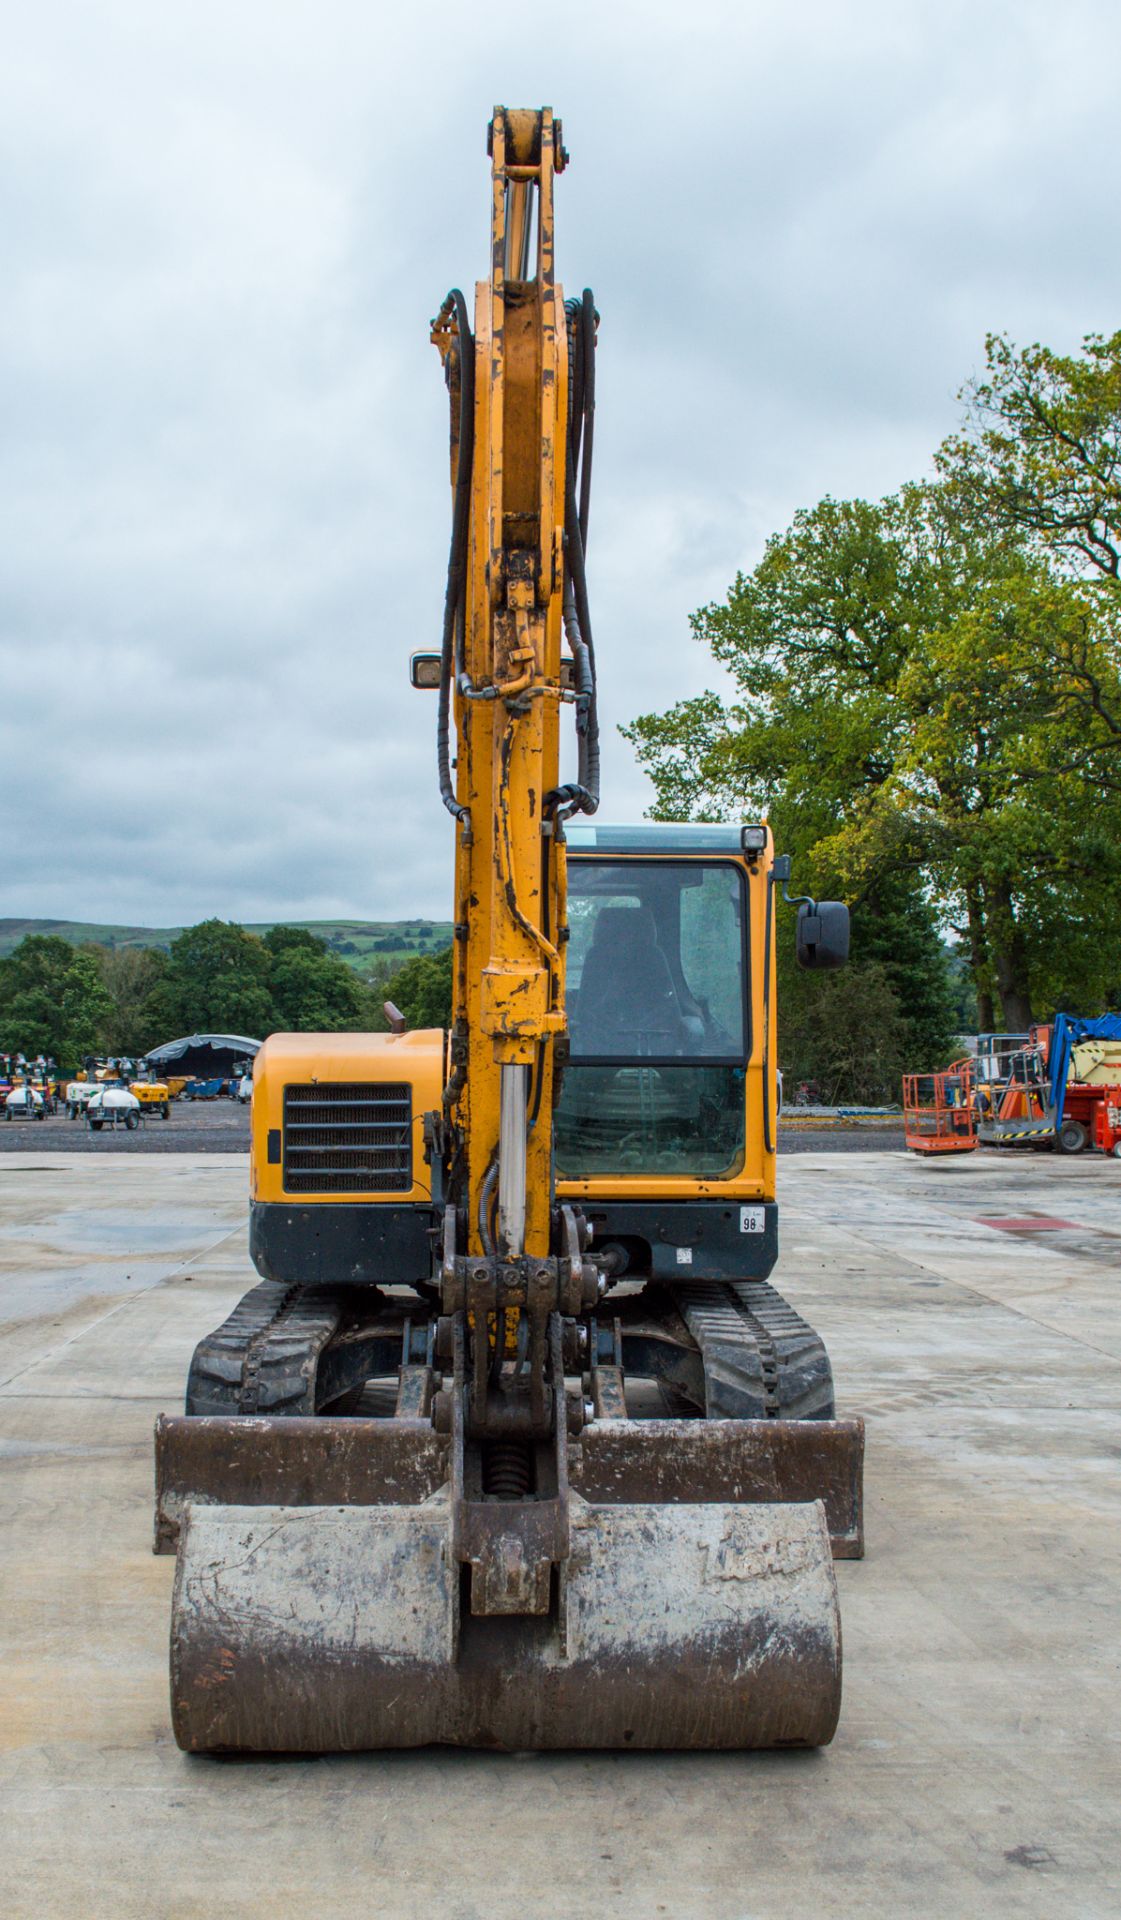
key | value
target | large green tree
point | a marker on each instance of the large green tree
(1040, 459)
(911, 703)
(1042, 448)
(422, 989)
(313, 991)
(845, 1035)
(217, 980)
(52, 1000)
(216, 977)
(131, 977)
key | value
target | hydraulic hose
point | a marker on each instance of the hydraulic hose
(588, 342)
(455, 591)
(579, 634)
(583, 797)
(486, 1194)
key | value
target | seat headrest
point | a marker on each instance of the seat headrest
(622, 931)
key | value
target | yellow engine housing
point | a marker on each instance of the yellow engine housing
(328, 1060)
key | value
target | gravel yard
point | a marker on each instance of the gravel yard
(222, 1126)
(194, 1126)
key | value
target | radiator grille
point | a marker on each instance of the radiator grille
(348, 1138)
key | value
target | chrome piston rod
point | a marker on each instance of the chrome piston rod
(512, 1159)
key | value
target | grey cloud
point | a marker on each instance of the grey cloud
(223, 479)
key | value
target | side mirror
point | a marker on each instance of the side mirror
(823, 934)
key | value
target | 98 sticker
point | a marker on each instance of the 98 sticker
(753, 1220)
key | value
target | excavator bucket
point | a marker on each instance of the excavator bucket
(333, 1628)
(698, 1622)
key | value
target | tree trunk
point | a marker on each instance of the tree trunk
(1010, 966)
(1015, 1004)
(979, 960)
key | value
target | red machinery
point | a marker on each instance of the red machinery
(938, 1110)
(1091, 1108)
(1027, 1090)
(1018, 1091)
(1107, 1123)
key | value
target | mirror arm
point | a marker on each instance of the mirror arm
(780, 871)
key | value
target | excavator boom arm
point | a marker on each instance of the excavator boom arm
(514, 454)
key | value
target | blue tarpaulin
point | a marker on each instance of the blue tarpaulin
(1067, 1031)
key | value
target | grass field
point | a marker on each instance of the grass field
(361, 943)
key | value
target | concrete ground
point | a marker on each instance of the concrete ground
(975, 1771)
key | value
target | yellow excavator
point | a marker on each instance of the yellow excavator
(514, 1445)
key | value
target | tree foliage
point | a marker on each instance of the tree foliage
(52, 999)
(217, 977)
(846, 1033)
(922, 698)
(313, 992)
(131, 977)
(422, 989)
(1042, 448)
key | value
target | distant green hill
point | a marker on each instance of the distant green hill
(361, 943)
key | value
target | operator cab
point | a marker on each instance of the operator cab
(657, 1002)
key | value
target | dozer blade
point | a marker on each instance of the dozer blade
(323, 1462)
(316, 1629)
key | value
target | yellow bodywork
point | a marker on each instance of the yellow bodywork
(308, 1059)
(419, 1058)
(150, 1093)
(1096, 1063)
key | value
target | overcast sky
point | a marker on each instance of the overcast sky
(223, 478)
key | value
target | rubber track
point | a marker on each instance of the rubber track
(762, 1361)
(264, 1358)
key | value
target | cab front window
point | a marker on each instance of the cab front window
(656, 1006)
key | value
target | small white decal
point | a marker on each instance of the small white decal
(753, 1220)
(684, 1256)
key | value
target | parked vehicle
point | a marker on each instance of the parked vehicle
(204, 1089)
(25, 1103)
(112, 1105)
(1057, 1087)
(153, 1095)
(78, 1095)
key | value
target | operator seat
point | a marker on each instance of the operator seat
(627, 1002)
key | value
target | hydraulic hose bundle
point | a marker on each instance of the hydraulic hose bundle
(583, 795)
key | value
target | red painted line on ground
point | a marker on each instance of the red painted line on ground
(1030, 1223)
